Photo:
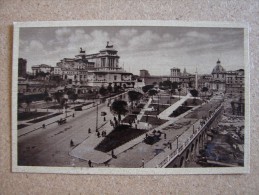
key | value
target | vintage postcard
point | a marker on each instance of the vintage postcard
(130, 97)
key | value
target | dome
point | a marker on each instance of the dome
(218, 68)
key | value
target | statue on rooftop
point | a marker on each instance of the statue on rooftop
(81, 50)
(109, 46)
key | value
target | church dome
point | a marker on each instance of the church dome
(218, 68)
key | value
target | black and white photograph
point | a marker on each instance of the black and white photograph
(126, 96)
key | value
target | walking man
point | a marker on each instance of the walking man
(89, 130)
(143, 163)
(71, 143)
(90, 163)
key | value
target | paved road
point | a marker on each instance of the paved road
(50, 146)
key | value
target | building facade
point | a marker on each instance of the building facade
(235, 82)
(22, 67)
(41, 68)
(175, 75)
(218, 80)
(98, 69)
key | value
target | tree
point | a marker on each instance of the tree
(204, 89)
(58, 95)
(102, 91)
(167, 84)
(194, 93)
(63, 104)
(146, 88)
(179, 90)
(47, 100)
(28, 101)
(21, 100)
(174, 85)
(134, 96)
(152, 92)
(109, 88)
(115, 88)
(73, 97)
(119, 107)
(133, 84)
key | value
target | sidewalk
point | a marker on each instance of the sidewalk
(166, 113)
(86, 149)
(52, 121)
(181, 140)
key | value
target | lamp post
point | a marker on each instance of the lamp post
(97, 117)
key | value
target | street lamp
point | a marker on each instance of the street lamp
(97, 117)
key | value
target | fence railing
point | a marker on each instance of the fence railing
(189, 140)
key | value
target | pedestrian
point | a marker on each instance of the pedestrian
(98, 134)
(170, 146)
(90, 163)
(165, 135)
(89, 130)
(143, 163)
(104, 119)
(73, 114)
(71, 143)
(113, 154)
(43, 126)
(136, 126)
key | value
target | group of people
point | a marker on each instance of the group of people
(103, 134)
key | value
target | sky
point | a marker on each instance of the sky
(156, 49)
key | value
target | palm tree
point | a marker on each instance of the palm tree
(134, 96)
(119, 107)
(152, 92)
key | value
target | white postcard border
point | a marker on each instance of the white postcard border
(129, 171)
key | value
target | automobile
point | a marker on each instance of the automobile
(103, 113)
(62, 121)
(78, 108)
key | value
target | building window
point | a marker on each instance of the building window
(115, 78)
(103, 62)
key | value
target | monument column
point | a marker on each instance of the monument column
(196, 80)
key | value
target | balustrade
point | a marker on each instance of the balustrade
(175, 153)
